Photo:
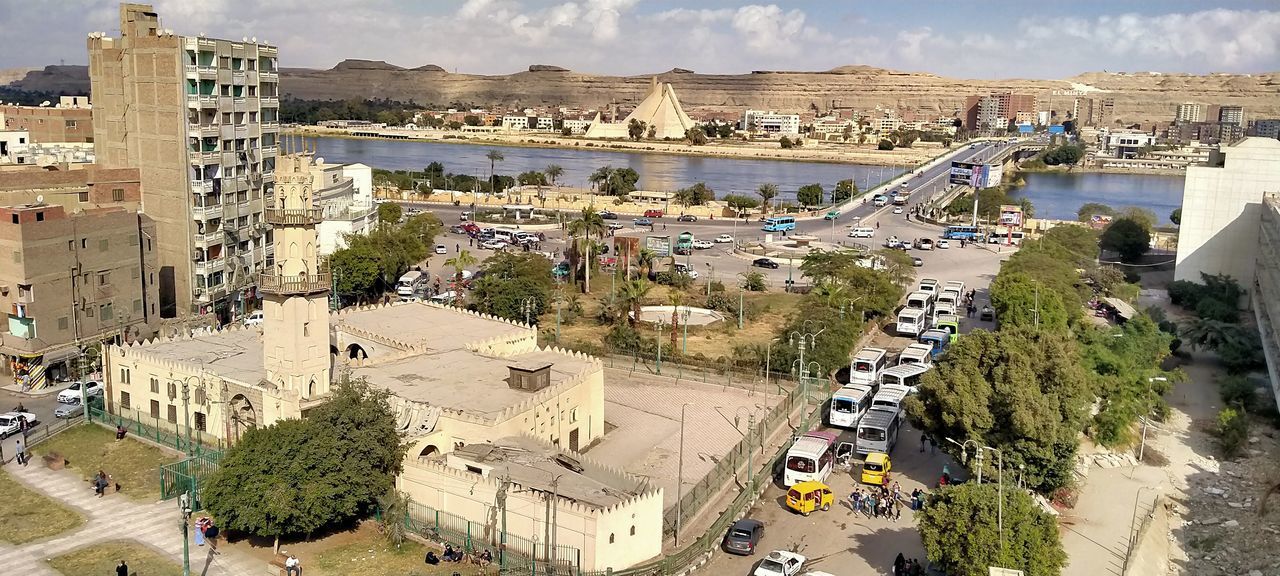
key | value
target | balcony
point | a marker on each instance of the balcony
(265, 76)
(238, 76)
(292, 216)
(268, 150)
(207, 267)
(269, 126)
(301, 284)
(205, 158)
(202, 186)
(212, 237)
(207, 211)
(208, 71)
(192, 69)
(269, 101)
(202, 130)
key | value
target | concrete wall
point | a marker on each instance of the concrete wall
(1266, 295)
(47, 124)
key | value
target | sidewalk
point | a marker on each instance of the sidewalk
(114, 517)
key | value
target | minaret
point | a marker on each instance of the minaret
(295, 289)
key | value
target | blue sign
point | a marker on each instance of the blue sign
(1056, 129)
(1026, 128)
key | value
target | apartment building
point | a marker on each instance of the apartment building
(771, 122)
(72, 280)
(1265, 127)
(1231, 115)
(993, 112)
(70, 120)
(199, 118)
(1189, 112)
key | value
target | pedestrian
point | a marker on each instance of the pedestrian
(899, 565)
(877, 225)
(457, 248)
(100, 483)
(897, 511)
(854, 500)
(201, 523)
(211, 534)
(870, 504)
(922, 443)
(932, 447)
(122, 569)
(471, 241)
(292, 567)
(22, 455)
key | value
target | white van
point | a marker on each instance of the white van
(878, 431)
(507, 235)
(929, 285)
(955, 285)
(889, 398)
(921, 300)
(911, 322)
(848, 404)
(916, 354)
(410, 283)
(862, 233)
(949, 298)
(1014, 238)
(903, 376)
(865, 368)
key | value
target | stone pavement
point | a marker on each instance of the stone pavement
(113, 517)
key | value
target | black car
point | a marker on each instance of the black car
(607, 215)
(764, 263)
(743, 536)
(687, 218)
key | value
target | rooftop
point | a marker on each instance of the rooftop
(234, 354)
(537, 466)
(422, 324)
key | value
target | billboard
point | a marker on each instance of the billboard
(660, 245)
(995, 173)
(1057, 129)
(976, 175)
(1026, 128)
(962, 173)
(1010, 215)
(1099, 221)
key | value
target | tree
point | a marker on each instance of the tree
(1068, 154)
(845, 189)
(786, 143)
(696, 136)
(588, 226)
(389, 213)
(1176, 217)
(359, 416)
(622, 181)
(846, 133)
(1127, 237)
(513, 282)
(1023, 391)
(494, 157)
(553, 172)
(724, 130)
(1030, 537)
(1090, 209)
(471, 120)
(356, 270)
(631, 296)
(767, 193)
(1019, 300)
(454, 125)
(532, 178)
(635, 129)
(695, 195)
(753, 281)
(1142, 216)
(810, 195)
(884, 144)
(460, 262)
(652, 131)
(738, 202)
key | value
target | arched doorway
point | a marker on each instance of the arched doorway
(356, 352)
(243, 416)
(429, 451)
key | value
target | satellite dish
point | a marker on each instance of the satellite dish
(319, 160)
(40, 199)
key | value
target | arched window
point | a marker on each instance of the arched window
(633, 530)
(611, 537)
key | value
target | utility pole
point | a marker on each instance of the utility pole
(184, 505)
(680, 475)
(657, 339)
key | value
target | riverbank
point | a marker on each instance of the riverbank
(1091, 169)
(812, 151)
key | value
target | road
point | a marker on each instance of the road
(41, 406)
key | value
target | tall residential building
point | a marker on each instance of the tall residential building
(198, 117)
(1189, 112)
(1265, 127)
(994, 112)
(1231, 115)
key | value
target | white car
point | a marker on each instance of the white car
(702, 244)
(445, 298)
(943, 245)
(254, 318)
(724, 239)
(616, 225)
(897, 209)
(493, 245)
(11, 422)
(72, 394)
(440, 249)
(780, 563)
(693, 274)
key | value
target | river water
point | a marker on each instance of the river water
(1058, 195)
(662, 172)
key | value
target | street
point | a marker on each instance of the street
(41, 406)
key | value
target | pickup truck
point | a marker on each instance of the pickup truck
(10, 425)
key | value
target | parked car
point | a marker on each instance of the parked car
(917, 262)
(943, 244)
(897, 209)
(924, 244)
(254, 318)
(71, 395)
(987, 314)
(687, 218)
(764, 263)
(832, 215)
(607, 215)
(743, 536)
(703, 244)
(68, 411)
(686, 270)
(457, 229)
(724, 239)
(652, 213)
(780, 563)
(445, 298)
(493, 245)
(642, 222)
(440, 249)
(11, 422)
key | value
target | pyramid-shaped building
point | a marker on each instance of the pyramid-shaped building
(660, 110)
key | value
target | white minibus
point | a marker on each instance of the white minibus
(878, 431)
(848, 404)
(866, 366)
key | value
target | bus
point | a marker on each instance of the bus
(929, 285)
(950, 323)
(911, 322)
(848, 404)
(937, 339)
(889, 397)
(811, 457)
(917, 353)
(906, 376)
(866, 366)
(922, 300)
(779, 223)
(684, 243)
(962, 233)
(410, 284)
(878, 431)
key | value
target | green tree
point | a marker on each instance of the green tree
(1023, 391)
(553, 172)
(1019, 301)
(846, 133)
(511, 282)
(1030, 536)
(622, 181)
(532, 178)
(460, 262)
(1176, 217)
(600, 178)
(1090, 209)
(738, 202)
(494, 157)
(695, 195)
(696, 136)
(454, 125)
(631, 295)
(1142, 216)
(884, 144)
(389, 213)
(1068, 154)
(635, 129)
(356, 271)
(845, 189)
(810, 195)
(471, 120)
(724, 130)
(584, 230)
(767, 193)
(1127, 237)
(359, 416)
(753, 281)
(786, 143)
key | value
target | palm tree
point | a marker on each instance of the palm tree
(585, 229)
(1206, 334)
(645, 261)
(460, 262)
(553, 172)
(494, 157)
(677, 300)
(767, 193)
(600, 178)
(630, 295)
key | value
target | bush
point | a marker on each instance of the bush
(1239, 392)
(1185, 293)
(753, 282)
(1242, 353)
(674, 279)
(717, 286)
(622, 338)
(884, 144)
(1214, 309)
(1232, 431)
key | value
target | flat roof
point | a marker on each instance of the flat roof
(538, 466)
(423, 324)
(234, 354)
(463, 380)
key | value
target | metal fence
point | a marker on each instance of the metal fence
(169, 435)
(186, 477)
(41, 432)
(512, 554)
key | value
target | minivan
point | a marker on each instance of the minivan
(862, 233)
(865, 368)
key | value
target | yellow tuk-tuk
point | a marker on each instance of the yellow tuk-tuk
(875, 470)
(810, 495)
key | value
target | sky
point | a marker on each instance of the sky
(983, 39)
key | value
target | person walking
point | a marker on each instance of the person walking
(122, 569)
(21, 456)
(932, 449)
(922, 443)
(211, 534)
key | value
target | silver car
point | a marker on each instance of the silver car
(68, 411)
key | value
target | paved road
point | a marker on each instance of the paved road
(41, 406)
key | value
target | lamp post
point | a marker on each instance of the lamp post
(657, 340)
(527, 306)
(978, 450)
(184, 505)
(186, 407)
(711, 276)
(806, 339)
(1142, 447)
(680, 475)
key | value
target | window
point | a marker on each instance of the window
(84, 243)
(14, 217)
(173, 390)
(173, 414)
(105, 313)
(573, 415)
(17, 256)
(199, 418)
(201, 396)
(24, 292)
(155, 385)
(124, 375)
(137, 306)
(124, 400)
(63, 323)
(117, 194)
(104, 278)
(40, 216)
(71, 124)
(136, 273)
(155, 409)
(71, 246)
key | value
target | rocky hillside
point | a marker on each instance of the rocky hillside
(1139, 97)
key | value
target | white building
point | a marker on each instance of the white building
(833, 125)
(771, 122)
(1127, 144)
(344, 193)
(886, 124)
(515, 122)
(13, 146)
(577, 126)
(1222, 207)
(1189, 112)
(545, 123)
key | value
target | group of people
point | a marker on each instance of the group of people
(885, 502)
(904, 567)
(484, 558)
(969, 302)
(207, 530)
(100, 483)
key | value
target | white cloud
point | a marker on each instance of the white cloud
(769, 30)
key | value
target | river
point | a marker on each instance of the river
(663, 172)
(1058, 196)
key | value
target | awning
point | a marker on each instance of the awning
(1122, 308)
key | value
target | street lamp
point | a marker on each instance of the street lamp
(657, 340)
(1147, 416)
(186, 406)
(978, 450)
(806, 339)
(528, 306)
(184, 505)
(711, 276)
(680, 474)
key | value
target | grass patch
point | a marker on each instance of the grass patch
(371, 555)
(89, 448)
(28, 515)
(103, 558)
